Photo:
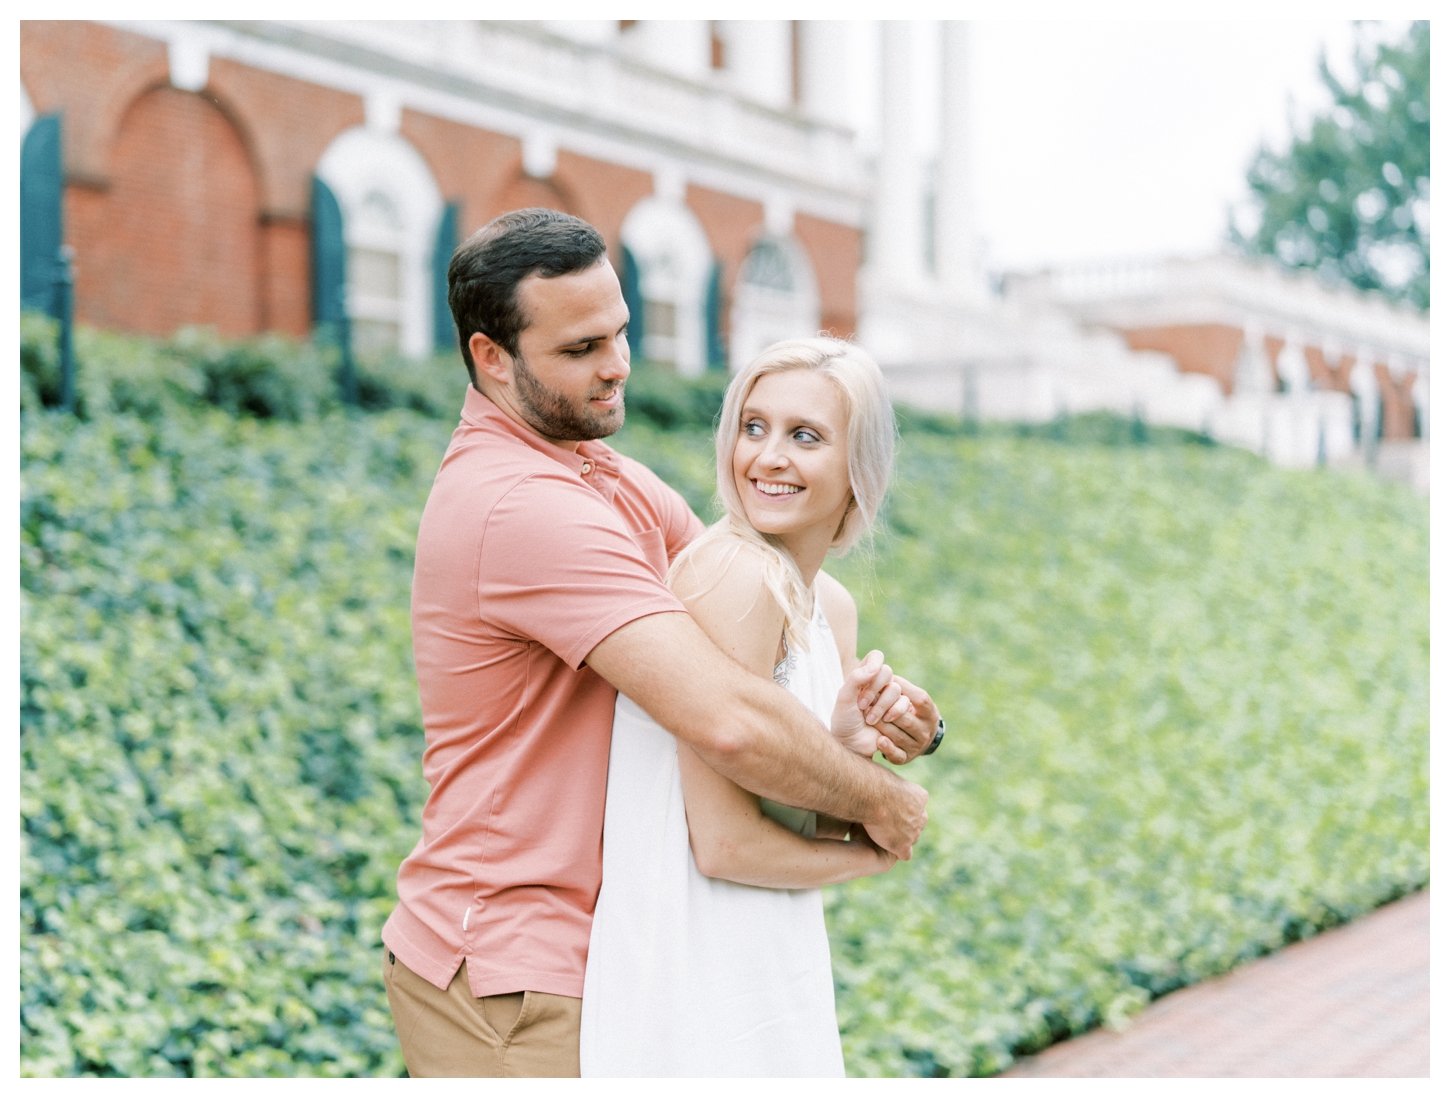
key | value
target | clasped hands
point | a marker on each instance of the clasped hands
(878, 710)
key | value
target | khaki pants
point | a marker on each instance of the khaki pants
(451, 1034)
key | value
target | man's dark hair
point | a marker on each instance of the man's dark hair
(486, 269)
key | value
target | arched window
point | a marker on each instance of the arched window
(775, 298)
(672, 261)
(391, 210)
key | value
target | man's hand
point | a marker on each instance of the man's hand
(903, 737)
(867, 698)
(899, 822)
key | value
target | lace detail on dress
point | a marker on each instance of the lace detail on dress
(784, 669)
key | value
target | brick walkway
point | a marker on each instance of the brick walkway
(1350, 1002)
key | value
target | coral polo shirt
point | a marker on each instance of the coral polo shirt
(528, 556)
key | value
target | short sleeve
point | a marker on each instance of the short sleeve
(684, 525)
(557, 565)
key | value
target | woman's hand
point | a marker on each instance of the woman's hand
(870, 696)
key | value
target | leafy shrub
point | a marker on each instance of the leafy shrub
(662, 397)
(1187, 697)
(219, 739)
(267, 377)
(1188, 702)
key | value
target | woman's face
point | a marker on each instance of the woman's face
(790, 462)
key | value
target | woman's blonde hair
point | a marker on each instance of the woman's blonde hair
(870, 452)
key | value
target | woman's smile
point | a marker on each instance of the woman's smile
(775, 488)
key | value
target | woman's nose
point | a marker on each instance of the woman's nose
(774, 455)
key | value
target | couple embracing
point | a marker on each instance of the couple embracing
(648, 743)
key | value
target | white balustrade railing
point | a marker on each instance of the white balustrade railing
(595, 87)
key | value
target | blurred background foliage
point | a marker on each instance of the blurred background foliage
(1350, 196)
(1187, 694)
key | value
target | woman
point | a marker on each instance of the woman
(708, 955)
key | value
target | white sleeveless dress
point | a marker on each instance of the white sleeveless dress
(689, 976)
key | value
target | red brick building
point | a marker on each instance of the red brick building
(190, 150)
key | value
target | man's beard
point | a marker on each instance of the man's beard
(553, 415)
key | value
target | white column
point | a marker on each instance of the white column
(1252, 373)
(958, 251)
(1366, 388)
(825, 78)
(897, 255)
(758, 59)
(1293, 366)
(676, 45)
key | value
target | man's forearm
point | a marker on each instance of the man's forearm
(751, 730)
(783, 752)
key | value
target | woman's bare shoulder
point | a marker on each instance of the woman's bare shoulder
(714, 562)
(722, 584)
(836, 601)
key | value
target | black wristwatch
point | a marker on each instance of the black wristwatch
(941, 730)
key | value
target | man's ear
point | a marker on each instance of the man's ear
(490, 360)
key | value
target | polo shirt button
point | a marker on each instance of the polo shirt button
(588, 468)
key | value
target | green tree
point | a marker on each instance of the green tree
(1350, 198)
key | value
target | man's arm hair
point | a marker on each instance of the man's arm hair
(751, 730)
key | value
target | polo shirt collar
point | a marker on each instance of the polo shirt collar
(595, 463)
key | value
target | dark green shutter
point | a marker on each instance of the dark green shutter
(629, 285)
(444, 335)
(329, 283)
(329, 259)
(41, 188)
(714, 330)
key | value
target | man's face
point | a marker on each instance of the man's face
(573, 356)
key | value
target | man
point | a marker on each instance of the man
(538, 592)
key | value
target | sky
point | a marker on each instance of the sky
(1114, 139)
(1100, 139)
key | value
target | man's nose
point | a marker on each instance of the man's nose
(616, 365)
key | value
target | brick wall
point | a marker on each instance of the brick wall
(471, 166)
(1210, 349)
(173, 239)
(602, 193)
(1325, 376)
(1398, 404)
(287, 124)
(835, 251)
(731, 226)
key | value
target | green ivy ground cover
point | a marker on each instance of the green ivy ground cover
(1188, 698)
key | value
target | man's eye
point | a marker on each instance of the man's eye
(578, 352)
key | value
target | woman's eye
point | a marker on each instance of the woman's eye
(754, 429)
(806, 436)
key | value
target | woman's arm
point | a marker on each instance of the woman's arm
(730, 836)
(732, 839)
